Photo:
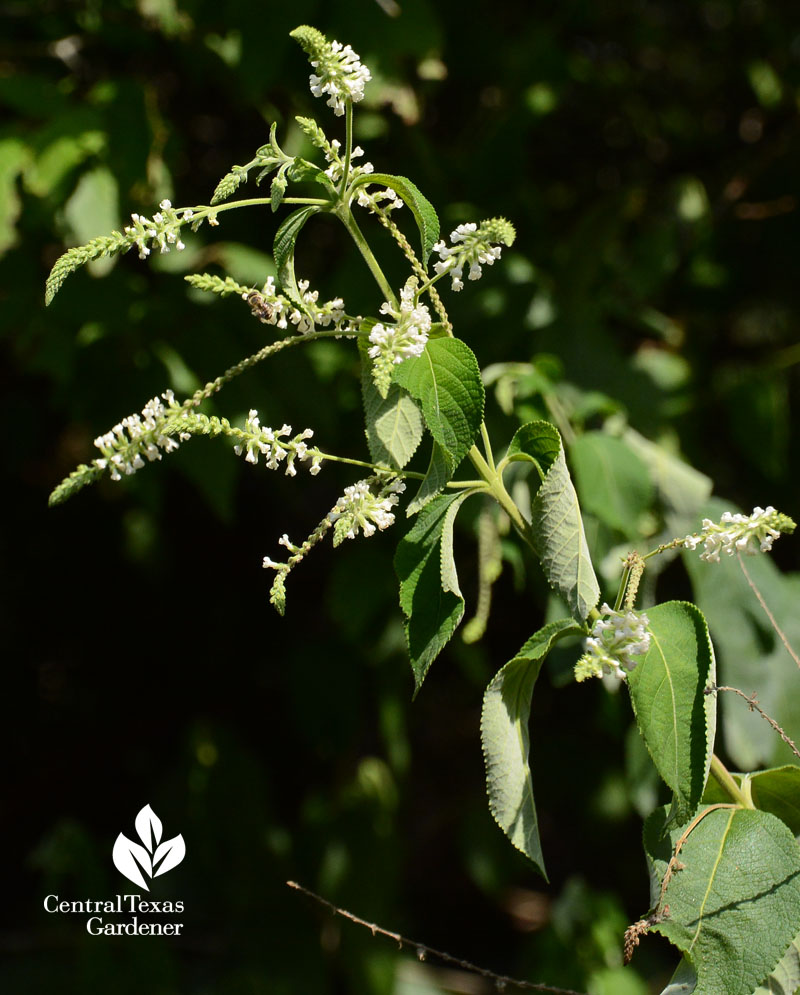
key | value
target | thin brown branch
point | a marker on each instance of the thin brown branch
(768, 613)
(753, 705)
(423, 952)
(661, 912)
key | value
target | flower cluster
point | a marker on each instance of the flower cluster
(339, 71)
(336, 169)
(614, 644)
(391, 344)
(256, 439)
(272, 308)
(737, 533)
(359, 508)
(140, 435)
(475, 246)
(162, 231)
(372, 200)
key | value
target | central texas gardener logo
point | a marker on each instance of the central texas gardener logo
(151, 857)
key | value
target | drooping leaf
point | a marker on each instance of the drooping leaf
(283, 250)
(734, 907)
(449, 574)
(506, 740)
(537, 442)
(446, 380)
(556, 522)
(612, 481)
(676, 719)
(421, 207)
(394, 424)
(432, 613)
(434, 481)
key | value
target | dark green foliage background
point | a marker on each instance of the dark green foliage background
(648, 154)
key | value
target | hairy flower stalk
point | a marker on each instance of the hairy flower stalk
(474, 246)
(339, 71)
(616, 640)
(392, 343)
(336, 169)
(372, 199)
(162, 231)
(737, 533)
(359, 508)
(257, 439)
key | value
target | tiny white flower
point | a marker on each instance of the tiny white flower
(737, 533)
(616, 640)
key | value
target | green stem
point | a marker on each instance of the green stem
(487, 446)
(723, 777)
(347, 219)
(494, 483)
(348, 148)
(622, 586)
(319, 201)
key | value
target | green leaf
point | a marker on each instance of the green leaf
(92, 208)
(776, 791)
(681, 488)
(734, 907)
(785, 979)
(751, 656)
(394, 425)
(446, 380)
(537, 442)
(556, 522)
(449, 574)
(421, 207)
(676, 719)
(506, 740)
(613, 482)
(434, 481)
(283, 250)
(432, 613)
(14, 157)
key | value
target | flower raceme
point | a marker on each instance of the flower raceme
(392, 343)
(339, 72)
(139, 435)
(735, 533)
(258, 439)
(473, 245)
(359, 509)
(616, 640)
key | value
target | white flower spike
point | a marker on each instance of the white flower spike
(737, 533)
(392, 343)
(339, 72)
(474, 246)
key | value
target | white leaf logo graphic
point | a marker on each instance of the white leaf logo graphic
(153, 858)
(148, 826)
